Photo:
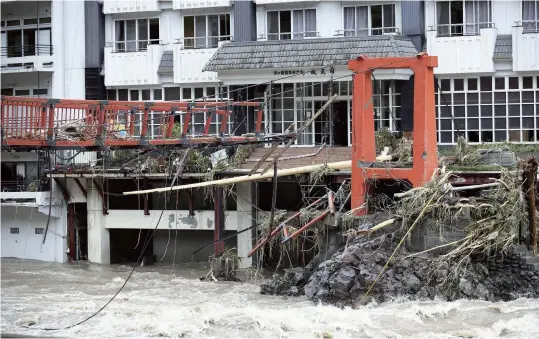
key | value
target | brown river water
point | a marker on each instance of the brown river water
(162, 301)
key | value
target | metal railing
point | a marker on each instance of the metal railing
(289, 35)
(466, 29)
(528, 26)
(368, 31)
(203, 41)
(17, 51)
(23, 186)
(132, 45)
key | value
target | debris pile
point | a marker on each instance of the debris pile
(468, 249)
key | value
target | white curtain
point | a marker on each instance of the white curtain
(200, 31)
(131, 35)
(362, 23)
(297, 28)
(442, 18)
(471, 26)
(482, 13)
(349, 21)
(310, 22)
(530, 15)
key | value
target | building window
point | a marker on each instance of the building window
(369, 20)
(26, 39)
(205, 31)
(488, 109)
(296, 24)
(457, 17)
(135, 35)
(14, 230)
(530, 16)
(39, 230)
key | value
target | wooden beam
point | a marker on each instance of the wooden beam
(82, 189)
(341, 165)
(63, 189)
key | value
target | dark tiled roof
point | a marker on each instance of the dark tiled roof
(503, 49)
(167, 63)
(306, 53)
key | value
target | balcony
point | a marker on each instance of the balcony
(367, 32)
(269, 2)
(132, 63)
(27, 58)
(526, 46)
(462, 48)
(129, 6)
(192, 54)
(186, 4)
(289, 36)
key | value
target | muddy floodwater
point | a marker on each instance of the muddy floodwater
(161, 302)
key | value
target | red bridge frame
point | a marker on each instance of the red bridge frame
(22, 118)
(425, 157)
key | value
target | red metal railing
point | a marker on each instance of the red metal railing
(87, 123)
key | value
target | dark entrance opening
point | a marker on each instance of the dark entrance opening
(126, 247)
(340, 123)
(81, 231)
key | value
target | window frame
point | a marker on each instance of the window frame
(384, 29)
(293, 36)
(464, 25)
(496, 110)
(530, 25)
(208, 39)
(117, 44)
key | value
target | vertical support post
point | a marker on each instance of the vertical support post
(425, 147)
(364, 147)
(50, 129)
(219, 220)
(146, 203)
(530, 175)
(170, 127)
(187, 121)
(258, 121)
(144, 122)
(71, 231)
(190, 202)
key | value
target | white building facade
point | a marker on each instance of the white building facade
(50, 49)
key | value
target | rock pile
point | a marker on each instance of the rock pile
(344, 279)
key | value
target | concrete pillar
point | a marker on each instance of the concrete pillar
(98, 235)
(245, 239)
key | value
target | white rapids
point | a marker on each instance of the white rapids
(158, 302)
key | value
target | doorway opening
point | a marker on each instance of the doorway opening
(331, 127)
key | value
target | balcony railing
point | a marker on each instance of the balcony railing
(17, 51)
(467, 29)
(132, 45)
(24, 186)
(203, 42)
(367, 31)
(289, 35)
(528, 26)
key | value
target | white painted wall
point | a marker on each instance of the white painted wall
(188, 65)
(202, 220)
(125, 6)
(27, 244)
(463, 54)
(133, 68)
(69, 49)
(187, 4)
(525, 51)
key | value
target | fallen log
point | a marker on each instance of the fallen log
(341, 165)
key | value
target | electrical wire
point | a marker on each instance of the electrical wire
(149, 237)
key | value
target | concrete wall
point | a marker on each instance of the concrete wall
(27, 244)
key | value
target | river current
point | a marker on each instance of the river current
(166, 301)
